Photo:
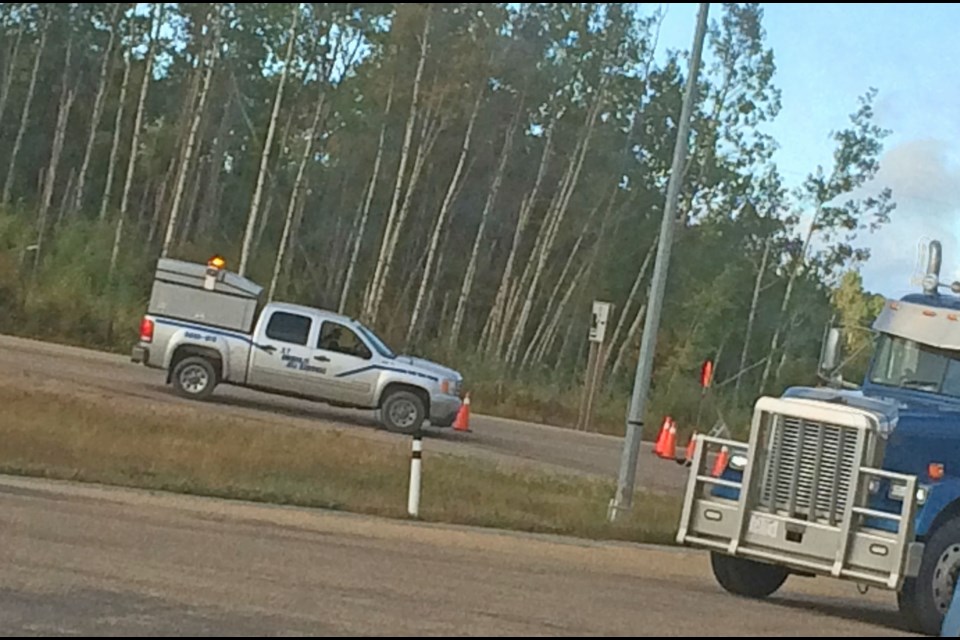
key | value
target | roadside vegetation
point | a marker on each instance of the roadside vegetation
(89, 438)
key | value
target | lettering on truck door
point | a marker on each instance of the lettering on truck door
(351, 374)
(282, 358)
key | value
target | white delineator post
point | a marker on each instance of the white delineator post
(413, 500)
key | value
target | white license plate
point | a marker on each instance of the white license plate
(764, 526)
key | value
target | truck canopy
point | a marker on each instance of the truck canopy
(204, 294)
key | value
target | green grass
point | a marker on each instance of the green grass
(176, 448)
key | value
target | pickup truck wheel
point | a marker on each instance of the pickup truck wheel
(403, 412)
(925, 599)
(194, 377)
(747, 578)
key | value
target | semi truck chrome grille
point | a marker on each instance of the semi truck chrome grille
(808, 463)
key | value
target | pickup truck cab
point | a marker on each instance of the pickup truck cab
(207, 326)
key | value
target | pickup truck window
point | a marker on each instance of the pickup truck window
(378, 344)
(289, 327)
(340, 339)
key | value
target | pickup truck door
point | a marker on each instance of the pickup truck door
(282, 358)
(351, 372)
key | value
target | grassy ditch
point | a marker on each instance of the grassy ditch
(177, 448)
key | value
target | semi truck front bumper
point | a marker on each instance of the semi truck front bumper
(843, 548)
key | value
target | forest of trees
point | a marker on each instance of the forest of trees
(466, 178)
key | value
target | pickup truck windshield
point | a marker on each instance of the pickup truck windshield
(378, 344)
(911, 365)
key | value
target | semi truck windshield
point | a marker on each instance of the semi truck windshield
(904, 363)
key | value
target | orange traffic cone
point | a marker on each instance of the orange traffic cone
(669, 450)
(721, 463)
(688, 454)
(462, 423)
(662, 436)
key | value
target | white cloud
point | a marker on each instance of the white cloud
(925, 187)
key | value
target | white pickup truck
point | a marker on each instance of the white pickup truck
(205, 326)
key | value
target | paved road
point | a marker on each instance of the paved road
(89, 560)
(552, 448)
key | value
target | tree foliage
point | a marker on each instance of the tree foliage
(539, 133)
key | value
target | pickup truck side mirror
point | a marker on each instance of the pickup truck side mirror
(831, 353)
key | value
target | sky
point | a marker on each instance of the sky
(827, 55)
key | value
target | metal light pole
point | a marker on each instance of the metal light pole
(623, 499)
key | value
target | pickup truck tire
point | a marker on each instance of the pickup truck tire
(194, 377)
(403, 412)
(924, 600)
(747, 578)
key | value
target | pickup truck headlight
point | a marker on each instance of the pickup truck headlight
(450, 387)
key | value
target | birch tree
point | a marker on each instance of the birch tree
(268, 143)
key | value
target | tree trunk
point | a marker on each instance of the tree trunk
(297, 221)
(294, 195)
(372, 305)
(208, 209)
(265, 156)
(25, 114)
(65, 197)
(282, 152)
(625, 346)
(514, 347)
(744, 354)
(496, 320)
(633, 294)
(117, 134)
(192, 136)
(546, 318)
(468, 278)
(441, 219)
(775, 342)
(67, 95)
(137, 124)
(431, 296)
(430, 134)
(190, 211)
(10, 70)
(77, 203)
(361, 227)
(551, 331)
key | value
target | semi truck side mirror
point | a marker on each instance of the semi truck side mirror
(830, 352)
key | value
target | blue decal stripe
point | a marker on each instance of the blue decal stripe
(344, 374)
(200, 327)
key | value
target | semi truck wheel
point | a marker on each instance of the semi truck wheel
(194, 377)
(403, 412)
(925, 599)
(747, 578)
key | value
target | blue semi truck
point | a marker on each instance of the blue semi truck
(859, 484)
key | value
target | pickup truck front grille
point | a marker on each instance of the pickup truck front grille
(808, 463)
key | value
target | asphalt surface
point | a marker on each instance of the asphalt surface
(520, 443)
(89, 560)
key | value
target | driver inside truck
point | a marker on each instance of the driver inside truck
(330, 340)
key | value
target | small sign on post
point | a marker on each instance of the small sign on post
(598, 322)
(596, 362)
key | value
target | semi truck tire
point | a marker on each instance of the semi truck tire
(194, 377)
(924, 600)
(747, 578)
(403, 412)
